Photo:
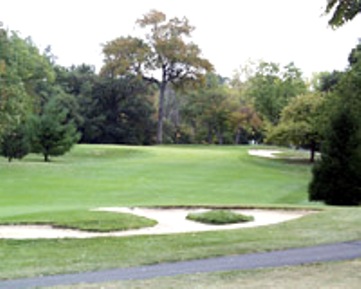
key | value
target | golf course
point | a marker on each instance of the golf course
(64, 192)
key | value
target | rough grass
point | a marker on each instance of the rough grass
(335, 275)
(219, 217)
(82, 220)
(21, 258)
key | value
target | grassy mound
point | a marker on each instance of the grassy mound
(219, 217)
(82, 220)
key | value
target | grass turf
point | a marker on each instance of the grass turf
(82, 220)
(219, 217)
(95, 176)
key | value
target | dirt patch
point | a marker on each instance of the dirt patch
(170, 221)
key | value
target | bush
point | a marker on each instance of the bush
(219, 217)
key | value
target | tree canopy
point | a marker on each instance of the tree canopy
(164, 56)
(22, 66)
(336, 177)
(342, 11)
(300, 123)
(271, 87)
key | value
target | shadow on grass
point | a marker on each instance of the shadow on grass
(294, 161)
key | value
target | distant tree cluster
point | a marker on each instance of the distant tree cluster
(156, 89)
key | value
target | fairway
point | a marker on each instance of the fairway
(96, 175)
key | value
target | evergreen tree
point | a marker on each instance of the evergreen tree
(15, 143)
(336, 177)
(54, 131)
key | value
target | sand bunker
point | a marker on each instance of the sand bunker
(264, 153)
(170, 221)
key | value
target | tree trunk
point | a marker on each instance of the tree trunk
(162, 88)
(312, 152)
(220, 137)
(209, 136)
(238, 136)
(46, 157)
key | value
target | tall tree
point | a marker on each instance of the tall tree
(271, 87)
(336, 178)
(164, 52)
(22, 67)
(79, 82)
(123, 112)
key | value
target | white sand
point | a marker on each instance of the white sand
(170, 221)
(264, 153)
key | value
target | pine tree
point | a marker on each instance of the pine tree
(337, 176)
(54, 131)
(15, 143)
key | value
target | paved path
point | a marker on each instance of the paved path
(323, 253)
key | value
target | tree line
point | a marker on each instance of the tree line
(159, 89)
(153, 90)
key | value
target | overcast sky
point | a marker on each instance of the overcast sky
(228, 31)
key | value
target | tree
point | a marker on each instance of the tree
(207, 109)
(355, 55)
(342, 11)
(271, 88)
(164, 51)
(15, 143)
(22, 67)
(244, 120)
(79, 82)
(123, 113)
(300, 123)
(53, 130)
(336, 178)
(327, 81)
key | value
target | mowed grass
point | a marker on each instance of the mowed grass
(219, 217)
(83, 220)
(97, 176)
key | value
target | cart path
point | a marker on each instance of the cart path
(290, 257)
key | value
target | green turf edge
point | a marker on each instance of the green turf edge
(83, 220)
(219, 217)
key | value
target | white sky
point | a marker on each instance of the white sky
(228, 31)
